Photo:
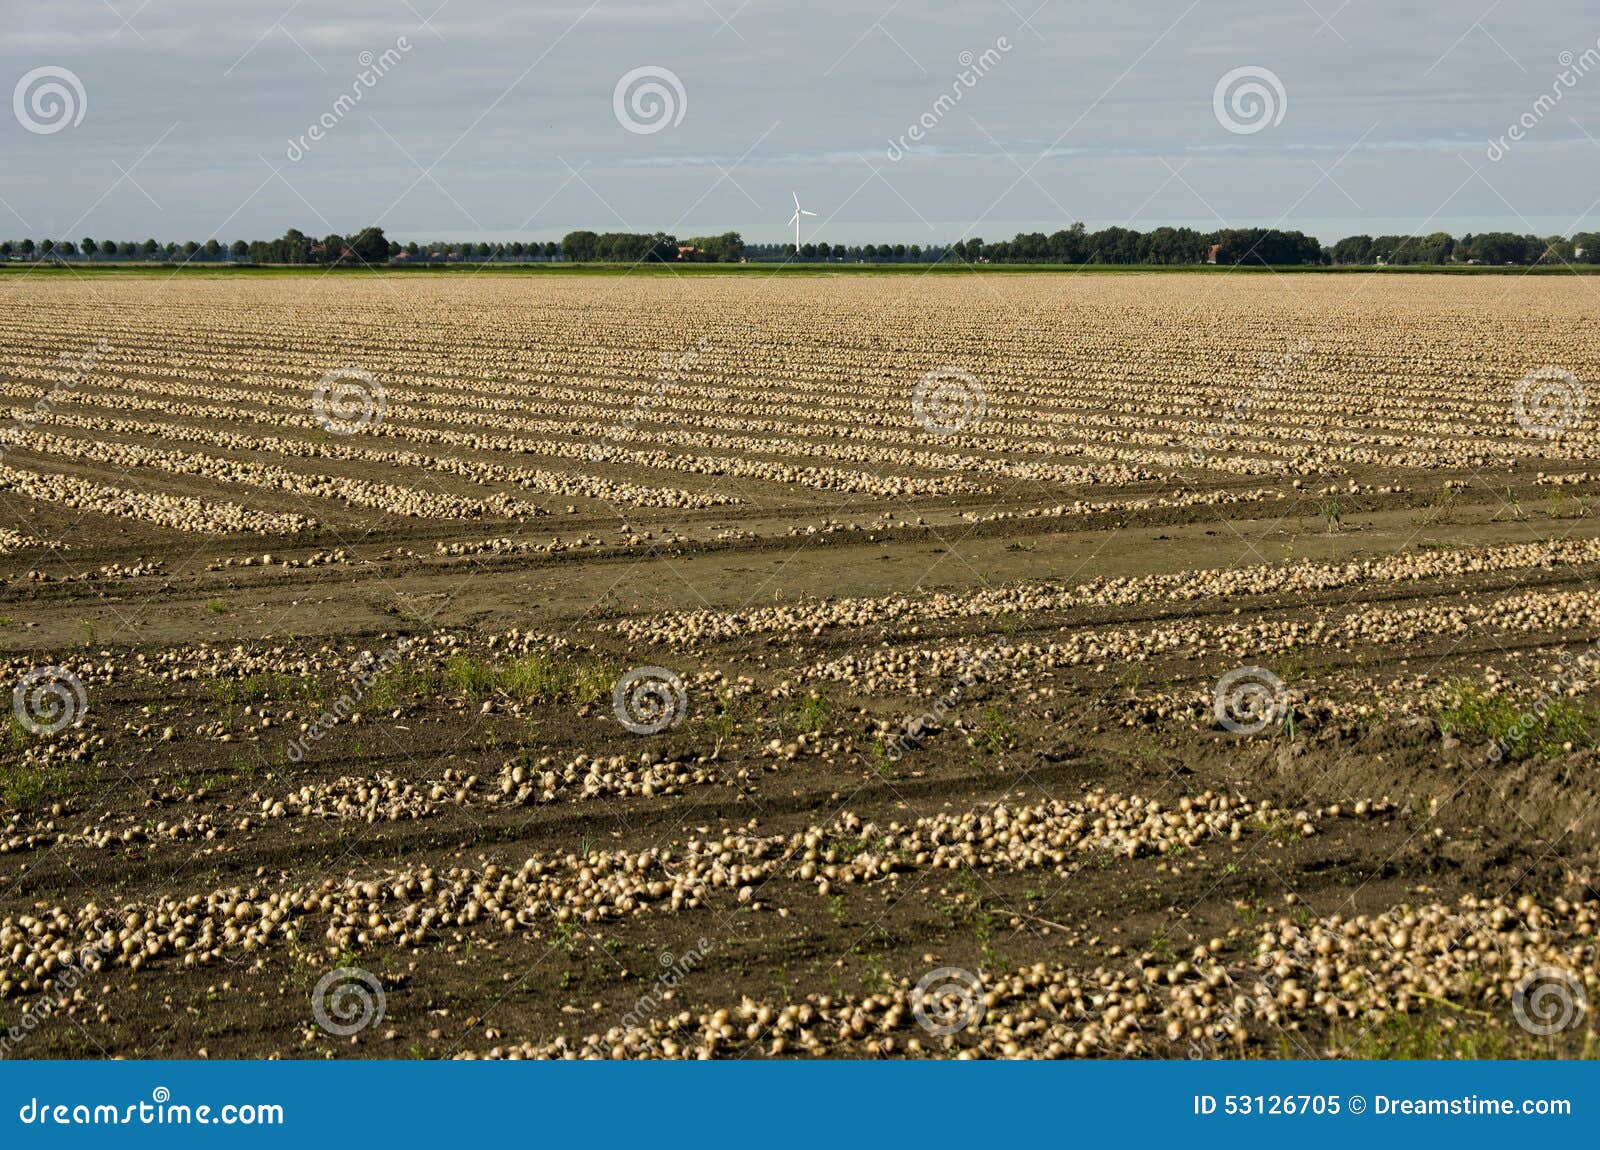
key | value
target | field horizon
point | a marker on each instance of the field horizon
(560, 267)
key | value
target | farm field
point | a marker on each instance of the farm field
(732, 666)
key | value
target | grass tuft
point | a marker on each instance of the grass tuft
(1541, 728)
(531, 678)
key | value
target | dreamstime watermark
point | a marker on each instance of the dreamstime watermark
(1248, 700)
(1271, 378)
(675, 969)
(347, 1000)
(373, 69)
(1548, 401)
(52, 398)
(1534, 715)
(1574, 67)
(367, 671)
(1548, 1000)
(49, 699)
(1249, 99)
(947, 400)
(948, 1000)
(348, 400)
(70, 973)
(48, 99)
(648, 700)
(973, 69)
(918, 727)
(648, 99)
(645, 404)
(160, 1110)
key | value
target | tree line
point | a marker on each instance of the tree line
(1483, 248)
(1074, 245)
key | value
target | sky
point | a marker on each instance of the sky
(193, 119)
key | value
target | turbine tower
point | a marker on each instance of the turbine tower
(795, 219)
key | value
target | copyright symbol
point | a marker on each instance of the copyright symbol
(1358, 1104)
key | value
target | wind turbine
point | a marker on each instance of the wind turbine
(795, 219)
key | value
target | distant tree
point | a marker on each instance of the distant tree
(1068, 246)
(190, 247)
(1430, 249)
(621, 247)
(238, 250)
(660, 248)
(150, 248)
(109, 248)
(1175, 246)
(1353, 250)
(725, 248)
(88, 247)
(370, 246)
(1500, 248)
(212, 249)
(1108, 246)
(1557, 250)
(1266, 246)
(26, 247)
(554, 249)
(293, 247)
(46, 247)
(413, 250)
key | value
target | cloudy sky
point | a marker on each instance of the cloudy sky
(186, 119)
